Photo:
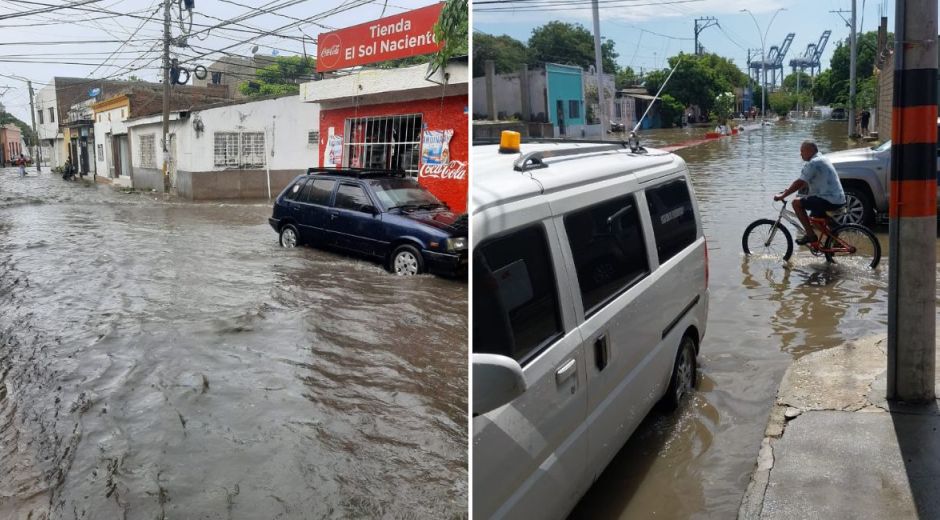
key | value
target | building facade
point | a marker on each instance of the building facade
(399, 119)
(11, 144)
(236, 149)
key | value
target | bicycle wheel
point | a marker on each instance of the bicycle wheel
(867, 248)
(766, 238)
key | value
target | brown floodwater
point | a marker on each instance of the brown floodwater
(164, 359)
(697, 462)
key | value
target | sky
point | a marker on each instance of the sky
(143, 36)
(645, 35)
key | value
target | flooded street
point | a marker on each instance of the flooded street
(697, 463)
(164, 359)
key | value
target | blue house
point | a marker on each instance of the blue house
(564, 92)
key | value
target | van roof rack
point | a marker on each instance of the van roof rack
(534, 160)
(359, 173)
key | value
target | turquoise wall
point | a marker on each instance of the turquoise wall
(565, 85)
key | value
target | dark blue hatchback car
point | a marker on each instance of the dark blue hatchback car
(379, 213)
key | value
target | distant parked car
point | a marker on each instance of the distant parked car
(864, 173)
(838, 114)
(378, 213)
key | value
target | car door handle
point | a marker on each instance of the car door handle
(333, 215)
(601, 351)
(566, 371)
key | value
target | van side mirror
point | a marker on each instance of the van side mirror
(497, 380)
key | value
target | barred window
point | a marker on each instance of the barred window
(313, 137)
(226, 149)
(252, 149)
(384, 142)
(239, 150)
(147, 152)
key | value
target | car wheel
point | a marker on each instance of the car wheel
(406, 260)
(683, 377)
(858, 208)
(289, 237)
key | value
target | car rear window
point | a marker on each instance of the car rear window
(318, 191)
(294, 191)
(608, 248)
(673, 218)
(515, 302)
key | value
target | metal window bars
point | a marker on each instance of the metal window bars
(147, 151)
(390, 142)
(238, 150)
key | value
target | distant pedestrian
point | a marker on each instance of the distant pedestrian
(21, 162)
(866, 117)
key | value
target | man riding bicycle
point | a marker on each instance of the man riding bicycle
(823, 187)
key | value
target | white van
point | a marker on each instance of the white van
(590, 298)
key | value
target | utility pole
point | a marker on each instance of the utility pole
(912, 229)
(32, 112)
(599, 67)
(854, 53)
(708, 21)
(166, 95)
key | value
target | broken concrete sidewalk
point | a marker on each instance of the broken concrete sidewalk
(835, 448)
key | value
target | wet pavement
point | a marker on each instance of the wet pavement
(165, 359)
(697, 463)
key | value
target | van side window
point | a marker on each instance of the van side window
(515, 302)
(318, 191)
(608, 248)
(294, 192)
(673, 218)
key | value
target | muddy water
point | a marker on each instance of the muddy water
(697, 463)
(161, 359)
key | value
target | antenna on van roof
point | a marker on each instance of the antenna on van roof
(661, 87)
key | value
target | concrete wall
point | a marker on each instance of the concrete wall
(108, 122)
(148, 179)
(885, 99)
(233, 184)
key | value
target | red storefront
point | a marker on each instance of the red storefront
(398, 118)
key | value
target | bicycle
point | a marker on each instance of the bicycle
(771, 238)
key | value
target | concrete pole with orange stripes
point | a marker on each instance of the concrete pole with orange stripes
(912, 306)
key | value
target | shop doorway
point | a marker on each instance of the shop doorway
(392, 142)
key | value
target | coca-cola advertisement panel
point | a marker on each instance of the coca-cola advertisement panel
(398, 36)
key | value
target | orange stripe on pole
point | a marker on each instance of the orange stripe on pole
(913, 199)
(914, 124)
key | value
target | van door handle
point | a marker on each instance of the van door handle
(333, 215)
(601, 351)
(566, 371)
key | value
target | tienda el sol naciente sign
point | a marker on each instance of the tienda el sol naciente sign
(399, 36)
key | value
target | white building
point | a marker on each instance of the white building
(51, 138)
(239, 149)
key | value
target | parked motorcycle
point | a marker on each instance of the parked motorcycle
(68, 172)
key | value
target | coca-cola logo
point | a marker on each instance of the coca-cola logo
(329, 49)
(455, 170)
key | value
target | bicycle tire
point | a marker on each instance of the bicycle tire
(756, 229)
(866, 237)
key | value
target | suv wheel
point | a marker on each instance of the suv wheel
(289, 237)
(683, 377)
(406, 260)
(858, 208)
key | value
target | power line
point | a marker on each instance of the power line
(20, 14)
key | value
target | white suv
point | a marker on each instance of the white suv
(590, 299)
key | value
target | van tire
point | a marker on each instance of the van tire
(684, 375)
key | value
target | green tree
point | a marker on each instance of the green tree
(451, 30)
(670, 111)
(867, 95)
(26, 130)
(697, 80)
(867, 48)
(822, 87)
(507, 52)
(626, 77)
(569, 44)
(806, 82)
(781, 102)
(724, 106)
(281, 77)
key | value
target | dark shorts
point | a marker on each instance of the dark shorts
(817, 206)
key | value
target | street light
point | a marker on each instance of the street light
(763, 59)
